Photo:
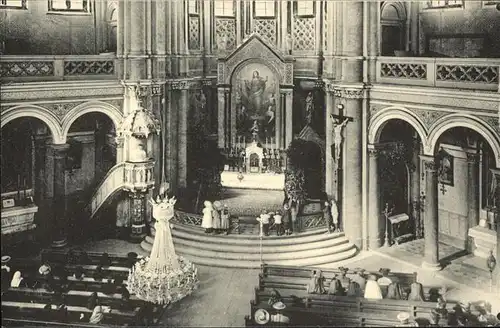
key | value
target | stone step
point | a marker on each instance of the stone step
(311, 248)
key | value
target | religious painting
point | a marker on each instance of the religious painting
(254, 99)
(445, 169)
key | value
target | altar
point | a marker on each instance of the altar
(266, 181)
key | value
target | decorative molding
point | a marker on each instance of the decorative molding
(26, 68)
(354, 93)
(61, 109)
(428, 117)
(373, 152)
(492, 121)
(289, 73)
(118, 103)
(430, 165)
(473, 158)
(337, 92)
(184, 84)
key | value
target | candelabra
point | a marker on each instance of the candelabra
(387, 214)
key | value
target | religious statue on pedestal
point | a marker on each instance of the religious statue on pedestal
(309, 108)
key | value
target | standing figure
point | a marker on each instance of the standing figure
(344, 280)
(286, 219)
(335, 216)
(312, 285)
(320, 286)
(416, 292)
(293, 214)
(264, 218)
(354, 290)
(327, 216)
(278, 223)
(255, 90)
(216, 224)
(309, 108)
(372, 289)
(337, 136)
(335, 287)
(224, 219)
(359, 278)
(207, 221)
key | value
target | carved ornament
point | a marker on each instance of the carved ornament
(472, 158)
(373, 152)
(428, 117)
(353, 93)
(430, 165)
(492, 121)
(183, 84)
(61, 109)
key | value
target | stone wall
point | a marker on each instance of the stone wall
(473, 18)
(36, 31)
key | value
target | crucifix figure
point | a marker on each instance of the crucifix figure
(339, 122)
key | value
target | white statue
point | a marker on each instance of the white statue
(334, 210)
(337, 135)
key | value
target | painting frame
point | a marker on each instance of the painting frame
(446, 169)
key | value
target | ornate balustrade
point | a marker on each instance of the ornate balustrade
(463, 73)
(56, 68)
(139, 176)
(188, 218)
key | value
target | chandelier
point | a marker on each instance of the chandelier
(141, 122)
(163, 277)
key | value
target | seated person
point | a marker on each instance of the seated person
(105, 261)
(92, 301)
(394, 292)
(278, 317)
(275, 297)
(17, 280)
(97, 315)
(434, 318)
(354, 290)
(416, 292)
(359, 277)
(62, 313)
(79, 275)
(336, 288)
(125, 296)
(441, 308)
(384, 281)
(404, 320)
(131, 259)
(98, 274)
(344, 280)
(372, 289)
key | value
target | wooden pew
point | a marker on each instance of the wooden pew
(17, 310)
(22, 322)
(282, 271)
(61, 256)
(72, 297)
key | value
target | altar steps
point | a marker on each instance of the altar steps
(243, 251)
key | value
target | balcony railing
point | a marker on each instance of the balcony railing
(57, 68)
(461, 73)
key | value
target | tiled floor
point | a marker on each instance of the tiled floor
(223, 298)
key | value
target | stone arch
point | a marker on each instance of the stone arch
(466, 121)
(92, 107)
(380, 119)
(41, 113)
(397, 5)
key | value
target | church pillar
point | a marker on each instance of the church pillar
(136, 56)
(120, 37)
(496, 277)
(373, 200)
(329, 164)
(172, 137)
(473, 189)
(431, 236)
(415, 188)
(288, 117)
(351, 166)
(59, 230)
(182, 139)
(119, 149)
(221, 130)
(373, 38)
(137, 211)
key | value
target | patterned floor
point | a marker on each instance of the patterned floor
(457, 265)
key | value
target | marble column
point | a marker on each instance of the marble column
(473, 189)
(137, 211)
(496, 277)
(329, 165)
(182, 139)
(288, 118)
(120, 37)
(59, 230)
(415, 188)
(374, 219)
(373, 38)
(221, 129)
(431, 235)
(172, 152)
(137, 54)
(352, 166)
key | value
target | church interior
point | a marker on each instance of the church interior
(250, 163)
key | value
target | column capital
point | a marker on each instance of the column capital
(373, 151)
(59, 150)
(430, 163)
(496, 172)
(473, 158)
(357, 91)
(119, 141)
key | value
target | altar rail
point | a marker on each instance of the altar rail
(463, 73)
(57, 68)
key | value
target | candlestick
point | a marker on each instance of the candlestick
(25, 186)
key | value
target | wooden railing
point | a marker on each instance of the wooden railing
(57, 68)
(460, 73)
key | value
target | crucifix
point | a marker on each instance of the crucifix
(339, 122)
